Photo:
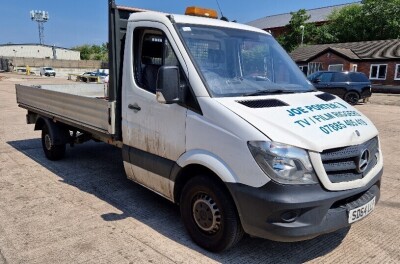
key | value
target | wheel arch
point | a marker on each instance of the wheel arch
(40, 122)
(59, 135)
(200, 162)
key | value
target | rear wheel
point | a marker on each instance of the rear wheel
(209, 214)
(52, 152)
(352, 97)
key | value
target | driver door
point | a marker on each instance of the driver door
(153, 132)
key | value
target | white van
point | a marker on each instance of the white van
(217, 118)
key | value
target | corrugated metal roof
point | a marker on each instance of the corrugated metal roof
(364, 50)
(317, 15)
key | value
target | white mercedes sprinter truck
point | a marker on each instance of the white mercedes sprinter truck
(217, 118)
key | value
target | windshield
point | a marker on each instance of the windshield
(236, 62)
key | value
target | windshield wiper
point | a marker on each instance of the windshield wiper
(263, 92)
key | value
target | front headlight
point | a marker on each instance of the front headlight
(283, 163)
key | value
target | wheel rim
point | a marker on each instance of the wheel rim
(47, 141)
(352, 98)
(206, 214)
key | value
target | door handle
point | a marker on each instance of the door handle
(135, 107)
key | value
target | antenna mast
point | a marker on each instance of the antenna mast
(220, 10)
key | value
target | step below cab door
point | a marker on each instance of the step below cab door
(153, 133)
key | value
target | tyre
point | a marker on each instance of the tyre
(209, 214)
(52, 152)
(352, 97)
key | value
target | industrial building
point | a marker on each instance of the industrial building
(38, 51)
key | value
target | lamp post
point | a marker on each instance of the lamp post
(302, 34)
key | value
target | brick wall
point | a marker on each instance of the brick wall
(330, 58)
(390, 72)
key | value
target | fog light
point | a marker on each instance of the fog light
(290, 216)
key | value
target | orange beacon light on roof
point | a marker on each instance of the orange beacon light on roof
(202, 12)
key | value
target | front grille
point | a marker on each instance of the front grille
(342, 164)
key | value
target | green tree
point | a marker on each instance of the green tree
(293, 31)
(345, 25)
(381, 19)
(370, 20)
(85, 51)
(93, 52)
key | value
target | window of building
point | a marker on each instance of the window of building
(354, 67)
(304, 69)
(397, 72)
(335, 67)
(314, 67)
(378, 72)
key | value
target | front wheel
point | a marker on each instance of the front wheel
(209, 214)
(352, 97)
(52, 152)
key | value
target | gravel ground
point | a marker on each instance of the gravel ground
(83, 210)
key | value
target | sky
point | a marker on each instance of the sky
(74, 23)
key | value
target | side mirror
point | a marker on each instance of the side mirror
(167, 91)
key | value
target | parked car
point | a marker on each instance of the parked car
(351, 86)
(47, 71)
(101, 75)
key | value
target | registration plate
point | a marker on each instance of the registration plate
(362, 211)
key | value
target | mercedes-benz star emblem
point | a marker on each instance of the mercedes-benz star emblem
(363, 161)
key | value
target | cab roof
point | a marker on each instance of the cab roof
(186, 19)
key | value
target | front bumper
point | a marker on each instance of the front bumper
(290, 213)
(365, 93)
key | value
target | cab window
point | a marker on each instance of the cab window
(151, 51)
